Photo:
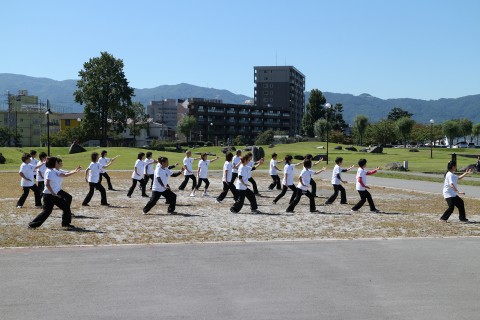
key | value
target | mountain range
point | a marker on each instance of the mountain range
(60, 94)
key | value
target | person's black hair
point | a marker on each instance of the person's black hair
(140, 155)
(274, 154)
(362, 162)
(450, 166)
(162, 159)
(104, 152)
(148, 154)
(239, 152)
(26, 156)
(307, 163)
(338, 160)
(33, 153)
(42, 155)
(308, 156)
(229, 156)
(94, 156)
(288, 158)
(51, 162)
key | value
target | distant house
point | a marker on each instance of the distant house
(70, 120)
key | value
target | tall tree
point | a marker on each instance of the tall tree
(476, 131)
(335, 118)
(466, 127)
(451, 129)
(186, 125)
(361, 123)
(321, 126)
(383, 132)
(397, 113)
(104, 90)
(314, 111)
(404, 126)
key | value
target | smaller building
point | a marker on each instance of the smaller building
(70, 120)
(164, 111)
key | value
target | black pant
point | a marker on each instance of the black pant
(237, 206)
(41, 187)
(343, 194)
(50, 201)
(254, 185)
(185, 181)
(207, 183)
(168, 194)
(314, 187)
(298, 195)
(228, 186)
(99, 187)
(452, 203)
(149, 177)
(276, 182)
(134, 184)
(364, 196)
(284, 191)
(107, 177)
(234, 177)
(26, 191)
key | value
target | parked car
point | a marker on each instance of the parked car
(462, 144)
(471, 145)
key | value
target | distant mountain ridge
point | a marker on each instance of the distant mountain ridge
(60, 94)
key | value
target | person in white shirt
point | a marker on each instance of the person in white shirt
(273, 173)
(287, 181)
(253, 166)
(138, 175)
(34, 162)
(361, 186)
(92, 177)
(54, 195)
(27, 171)
(302, 187)
(161, 186)
(41, 172)
(337, 182)
(451, 193)
(227, 179)
(188, 171)
(202, 174)
(103, 161)
(149, 169)
(236, 162)
(313, 184)
(243, 188)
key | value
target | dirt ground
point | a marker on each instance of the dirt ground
(200, 219)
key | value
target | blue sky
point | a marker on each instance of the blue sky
(391, 49)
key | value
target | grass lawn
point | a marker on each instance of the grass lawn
(418, 161)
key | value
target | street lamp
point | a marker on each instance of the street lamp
(431, 138)
(327, 107)
(211, 126)
(48, 113)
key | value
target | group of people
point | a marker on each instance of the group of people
(236, 178)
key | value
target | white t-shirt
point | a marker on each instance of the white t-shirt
(34, 162)
(363, 174)
(150, 169)
(188, 162)
(337, 171)
(41, 173)
(203, 166)
(244, 172)
(287, 171)
(53, 175)
(28, 171)
(236, 160)
(94, 172)
(103, 162)
(227, 167)
(140, 165)
(306, 175)
(448, 192)
(163, 174)
(273, 165)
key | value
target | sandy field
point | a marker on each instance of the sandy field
(200, 219)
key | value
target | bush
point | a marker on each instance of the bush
(265, 138)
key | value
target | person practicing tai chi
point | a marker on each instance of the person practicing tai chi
(253, 166)
(361, 186)
(276, 183)
(243, 189)
(227, 179)
(54, 195)
(41, 173)
(92, 177)
(149, 169)
(103, 161)
(27, 173)
(451, 193)
(202, 174)
(312, 181)
(161, 186)
(287, 181)
(236, 162)
(337, 182)
(188, 172)
(138, 176)
(302, 186)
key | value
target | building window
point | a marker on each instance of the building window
(67, 122)
(271, 85)
(265, 99)
(265, 93)
(271, 99)
(271, 93)
(265, 85)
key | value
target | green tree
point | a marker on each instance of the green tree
(397, 113)
(335, 118)
(137, 119)
(404, 126)
(186, 125)
(104, 90)
(320, 129)
(466, 127)
(265, 138)
(7, 135)
(314, 111)
(382, 132)
(476, 131)
(451, 129)
(360, 124)
(239, 140)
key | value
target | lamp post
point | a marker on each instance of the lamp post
(209, 129)
(48, 127)
(327, 107)
(431, 138)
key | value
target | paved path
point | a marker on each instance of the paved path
(359, 279)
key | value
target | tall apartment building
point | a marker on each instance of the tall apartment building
(281, 88)
(164, 112)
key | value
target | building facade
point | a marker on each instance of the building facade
(164, 111)
(282, 88)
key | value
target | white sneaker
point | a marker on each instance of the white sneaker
(192, 194)
(19, 207)
(205, 194)
(216, 201)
